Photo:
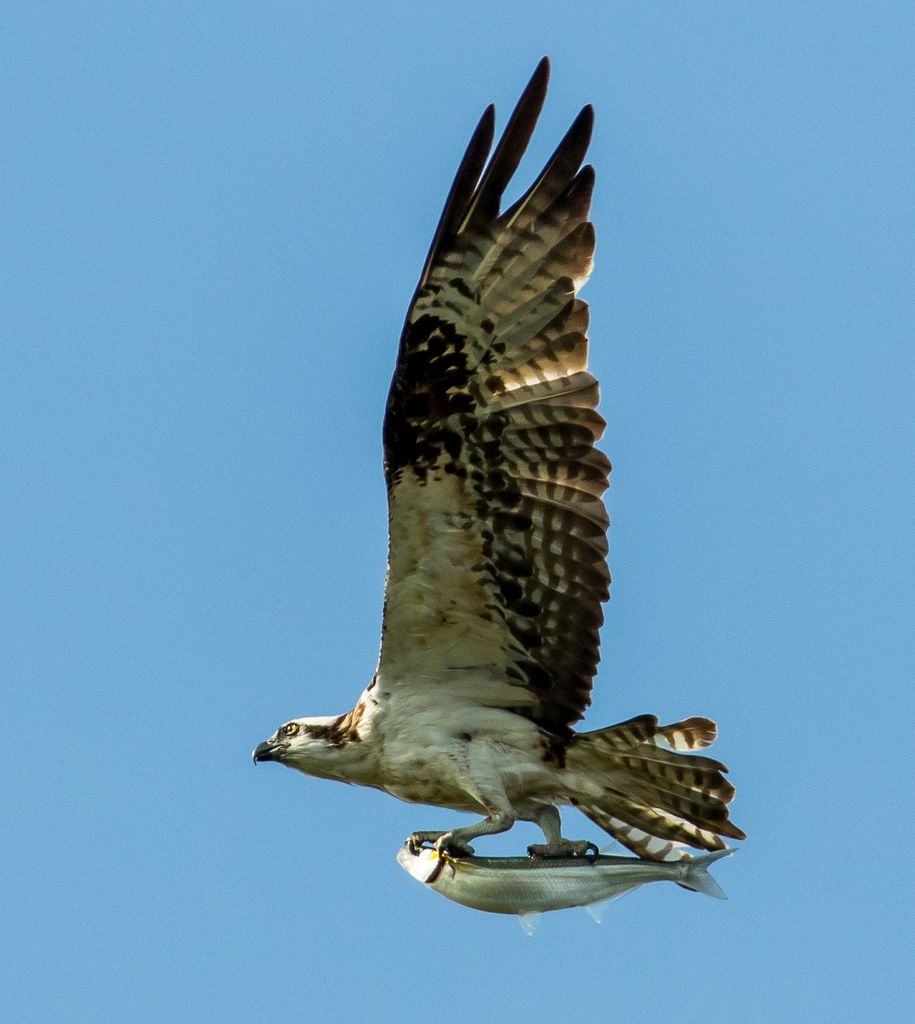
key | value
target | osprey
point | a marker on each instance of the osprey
(497, 543)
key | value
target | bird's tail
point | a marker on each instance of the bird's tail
(639, 784)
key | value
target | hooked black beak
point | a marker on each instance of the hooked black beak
(269, 750)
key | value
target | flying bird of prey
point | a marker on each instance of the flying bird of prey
(497, 543)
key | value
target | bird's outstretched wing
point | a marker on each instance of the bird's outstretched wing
(497, 562)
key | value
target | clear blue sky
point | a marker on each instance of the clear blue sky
(213, 218)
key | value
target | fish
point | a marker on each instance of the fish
(528, 886)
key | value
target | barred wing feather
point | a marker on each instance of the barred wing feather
(497, 563)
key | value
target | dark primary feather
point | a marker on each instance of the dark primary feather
(491, 395)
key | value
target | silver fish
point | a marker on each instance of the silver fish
(531, 885)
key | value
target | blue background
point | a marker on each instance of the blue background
(213, 219)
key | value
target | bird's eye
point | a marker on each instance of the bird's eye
(290, 729)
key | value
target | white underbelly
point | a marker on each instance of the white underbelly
(492, 761)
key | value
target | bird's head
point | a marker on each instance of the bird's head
(303, 743)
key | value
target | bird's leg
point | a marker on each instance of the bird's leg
(457, 841)
(555, 846)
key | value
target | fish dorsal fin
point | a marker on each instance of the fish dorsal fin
(611, 849)
(528, 922)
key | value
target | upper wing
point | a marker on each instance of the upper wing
(497, 565)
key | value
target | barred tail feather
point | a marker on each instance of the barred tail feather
(656, 799)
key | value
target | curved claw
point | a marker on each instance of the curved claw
(417, 841)
(447, 845)
(444, 843)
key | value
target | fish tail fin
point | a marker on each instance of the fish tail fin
(697, 877)
(657, 798)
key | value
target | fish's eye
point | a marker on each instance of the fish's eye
(289, 729)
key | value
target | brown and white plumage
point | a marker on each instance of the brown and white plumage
(489, 433)
(497, 562)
